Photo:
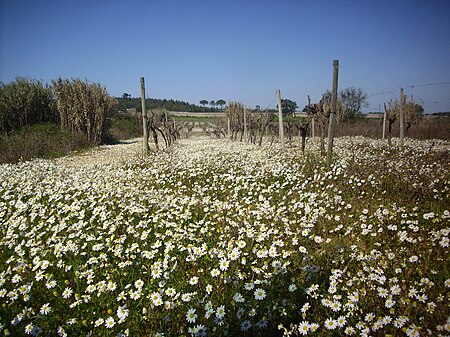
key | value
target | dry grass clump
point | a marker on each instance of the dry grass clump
(31, 111)
(25, 102)
(430, 127)
(83, 107)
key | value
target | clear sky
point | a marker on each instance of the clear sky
(234, 49)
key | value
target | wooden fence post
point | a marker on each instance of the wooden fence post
(312, 118)
(245, 123)
(280, 120)
(333, 112)
(144, 117)
(384, 122)
(402, 120)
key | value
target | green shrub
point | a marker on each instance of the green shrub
(41, 140)
(125, 126)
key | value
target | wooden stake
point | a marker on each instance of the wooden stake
(245, 123)
(402, 122)
(280, 120)
(144, 117)
(333, 112)
(384, 122)
(312, 118)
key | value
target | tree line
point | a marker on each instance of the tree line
(213, 104)
(127, 102)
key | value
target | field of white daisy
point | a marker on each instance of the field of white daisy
(215, 238)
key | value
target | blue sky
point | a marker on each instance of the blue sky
(235, 49)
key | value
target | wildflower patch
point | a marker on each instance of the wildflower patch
(216, 238)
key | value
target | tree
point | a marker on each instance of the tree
(212, 103)
(221, 102)
(353, 99)
(288, 107)
(203, 102)
(126, 96)
(412, 112)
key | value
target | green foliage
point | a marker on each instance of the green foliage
(25, 102)
(125, 126)
(83, 107)
(38, 141)
(154, 103)
(199, 119)
(288, 107)
(221, 102)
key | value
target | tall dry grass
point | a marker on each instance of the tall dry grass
(25, 102)
(430, 127)
(83, 107)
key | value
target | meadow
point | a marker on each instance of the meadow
(214, 238)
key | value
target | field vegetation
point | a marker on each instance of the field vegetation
(45, 140)
(214, 237)
(124, 126)
(38, 120)
(218, 237)
(429, 127)
(78, 114)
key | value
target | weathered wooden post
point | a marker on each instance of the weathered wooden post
(333, 112)
(229, 127)
(312, 118)
(402, 123)
(144, 117)
(280, 120)
(384, 121)
(245, 123)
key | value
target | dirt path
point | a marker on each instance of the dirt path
(105, 154)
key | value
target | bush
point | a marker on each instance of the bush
(125, 126)
(25, 102)
(42, 140)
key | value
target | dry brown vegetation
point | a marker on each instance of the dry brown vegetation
(430, 127)
(83, 107)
